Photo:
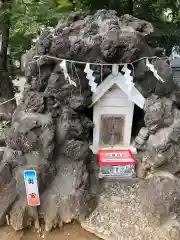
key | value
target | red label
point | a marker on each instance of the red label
(115, 157)
(33, 199)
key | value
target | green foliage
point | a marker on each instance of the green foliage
(164, 15)
(166, 35)
(93, 5)
(64, 5)
(81, 5)
(28, 16)
(3, 125)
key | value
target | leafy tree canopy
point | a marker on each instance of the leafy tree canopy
(28, 16)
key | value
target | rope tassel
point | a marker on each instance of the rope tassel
(66, 75)
(153, 70)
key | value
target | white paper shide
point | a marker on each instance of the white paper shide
(90, 77)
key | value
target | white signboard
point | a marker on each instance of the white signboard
(32, 192)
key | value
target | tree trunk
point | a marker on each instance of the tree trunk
(175, 12)
(130, 7)
(6, 87)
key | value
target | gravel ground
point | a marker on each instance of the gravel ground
(118, 216)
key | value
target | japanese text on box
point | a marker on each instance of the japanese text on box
(30, 179)
(116, 157)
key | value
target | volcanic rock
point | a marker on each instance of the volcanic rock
(160, 197)
(51, 129)
(69, 197)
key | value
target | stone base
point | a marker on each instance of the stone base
(125, 171)
(105, 170)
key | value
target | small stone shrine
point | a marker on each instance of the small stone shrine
(113, 108)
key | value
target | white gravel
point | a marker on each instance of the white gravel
(118, 216)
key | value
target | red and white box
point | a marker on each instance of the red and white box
(115, 157)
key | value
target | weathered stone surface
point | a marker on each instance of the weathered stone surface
(160, 140)
(1, 152)
(158, 113)
(52, 127)
(45, 175)
(101, 37)
(69, 197)
(148, 84)
(2, 139)
(21, 215)
(33, 132)
(34, 158)
(72, 126)
(34, 102)
(160, 197)
(162, 119)
(165, 161)
(69, 126)
(5, 175)
(7, 196)
(43, 45)
(174, 134)
(6, 110)
(165, 137)
(77, 103)
(13, 158)
(165, 71)
(76, 150)
(143, 168)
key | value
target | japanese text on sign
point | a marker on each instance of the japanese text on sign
(30, 179)
(115, 154)
(115, 157)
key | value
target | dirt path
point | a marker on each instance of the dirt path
(69, 232)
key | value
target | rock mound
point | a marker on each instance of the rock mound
(51, 129)
(160, 198)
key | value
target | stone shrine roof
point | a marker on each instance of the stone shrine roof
(134, 95)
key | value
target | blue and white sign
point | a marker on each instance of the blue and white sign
(31, 184)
